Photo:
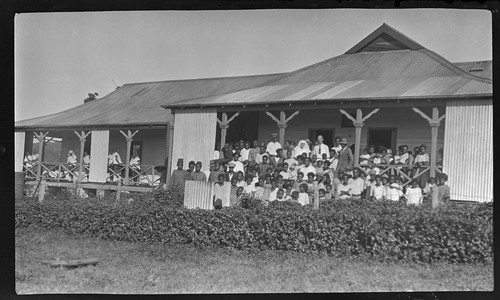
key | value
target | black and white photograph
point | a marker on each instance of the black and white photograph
(253, 151)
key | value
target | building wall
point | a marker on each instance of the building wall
(153, 144)
(412, 129)
(468, 153)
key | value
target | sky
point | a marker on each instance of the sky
(61, 57)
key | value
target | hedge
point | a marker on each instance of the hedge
(384, 230)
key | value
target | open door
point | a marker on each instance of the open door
(382, 137)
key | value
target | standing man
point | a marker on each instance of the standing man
(197, 174)
(215, 171)
(273, 145)
(320, 148)
(252, 154)
(179, 176)
(345, 157)
(230, 173)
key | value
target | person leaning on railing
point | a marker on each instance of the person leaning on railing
(135, 168)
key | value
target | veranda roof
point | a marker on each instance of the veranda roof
(139, 103)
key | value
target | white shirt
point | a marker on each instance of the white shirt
(272, 147)
(239, 167)
(135, 161)
(378, 191)
(404, 158)
(116, 158)
(71, 159)
(291, 161)
(249, 189)
(303, 198)
(216, 154)
(323, 148)
(273, 194)
(86, 159)
(285, 174)
(343, 188)
(357, 186)
(307, 170)
(413, 195)
(244, 154)
(393, 194)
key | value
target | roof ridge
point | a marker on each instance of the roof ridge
(206, 78)
(472, 61)
(452, 67)
(286, 75)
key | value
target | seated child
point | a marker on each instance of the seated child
(427, 189)
(299, 181)
(344, 189)
(322, 195)
(414, 194)
(249, 189)
(241, 179)
(328, 192)
(309, 182)
(303, 197)
(219, 193)
(319, 167)
(239, 193)
(326, 169)
(295, 196)
(378, 190)
(394, 192)
(284, 171)
(259, 189)
(280, 195)
(364, 159)
(273, 190)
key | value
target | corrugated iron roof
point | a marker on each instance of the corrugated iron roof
(139, 103)
(385, 74)
(413, 72)
(478, 68)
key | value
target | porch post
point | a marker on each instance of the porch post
(434, 122)
(41, 138)
(82, 136)
(224, 125)
(358, 123)
(128, 138)
(170, 129)
(282, 122)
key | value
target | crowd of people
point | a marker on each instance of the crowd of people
(295, 171)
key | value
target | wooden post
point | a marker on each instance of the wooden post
(316, 195)
(282, 123)
(118, 190)
(42, 190)
(224, 125)
(434, 196)
(434, 122)
(170, 128)
(41, 138)
(128, 138)
(82, 136)
(358, 123)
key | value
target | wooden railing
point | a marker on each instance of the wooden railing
(407, 173)
(138, 175)
(54, 171)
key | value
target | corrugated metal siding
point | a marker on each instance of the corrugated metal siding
(194, 137)
(99, 156)
(468, 150)
(19, 138)
(198, 194)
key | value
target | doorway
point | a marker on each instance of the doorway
(244, 127)
(382, 137)
(136, 146)
(327, 133)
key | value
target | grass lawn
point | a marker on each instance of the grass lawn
(155, 268)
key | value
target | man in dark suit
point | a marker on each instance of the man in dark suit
(230, 173)
(345, 157)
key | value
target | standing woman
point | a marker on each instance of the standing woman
(421, 162)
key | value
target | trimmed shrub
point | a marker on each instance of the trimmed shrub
(384, 230)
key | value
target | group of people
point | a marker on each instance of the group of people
(116, 172)
(296, 171)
